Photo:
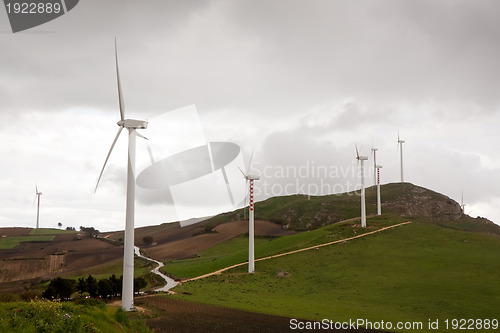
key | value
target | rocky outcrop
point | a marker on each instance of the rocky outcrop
(415, 201)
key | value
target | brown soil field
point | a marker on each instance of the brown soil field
(191, 246)
(173, 315)
(79, 254)
(161, 234)
(262, 228)
(29, 268)
(67, 254)
(14, 232)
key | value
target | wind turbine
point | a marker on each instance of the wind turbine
(128, 252)
(379, 206)
(374, 152)
(251, 249)
(37, 196)
(463, 205)
(363, 208)
(400, 143)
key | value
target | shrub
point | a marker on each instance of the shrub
(122, 317)
(148, 240)
(29, 295)
(9, 298)
(91, 302)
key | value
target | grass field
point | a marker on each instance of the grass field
(49, 231)
(11, 242)
(236, 250)
(35, 235)
(412, 273)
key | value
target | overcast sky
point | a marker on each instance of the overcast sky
(301, 82)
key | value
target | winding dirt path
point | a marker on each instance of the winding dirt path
(296, 251)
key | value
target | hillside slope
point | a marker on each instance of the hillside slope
(26, 256)
(413, 273)
(302, 212)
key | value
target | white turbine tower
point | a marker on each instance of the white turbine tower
(400, 143)
(128, 252)
(374, 152)
(462, 204)
(37, 198)
(379, 206)
(363, 208)
(251, 249)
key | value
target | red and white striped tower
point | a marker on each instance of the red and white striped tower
(251, 250)
(379, 206)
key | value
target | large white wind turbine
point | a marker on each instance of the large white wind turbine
(363, 208)
(400, 143)
(37, 198)
(128, 252)
(379, 206)
(251, 250)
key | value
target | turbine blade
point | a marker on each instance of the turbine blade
(141, 136)
(357, 152)
(120, 97)
(107, 157)
(250, 161)
(151, 157)
(247, 190)
(242, 172)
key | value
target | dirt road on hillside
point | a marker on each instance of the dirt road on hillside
(296, 251)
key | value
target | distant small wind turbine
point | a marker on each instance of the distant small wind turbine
(128, 252)
(400, 143)
(251, 250)
(374, 152)
(379, 206)
(462, 204)
(37, 198)
(363, 208)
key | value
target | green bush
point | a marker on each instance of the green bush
(44, 316)
(122, 317)
(91, 302)
(9, 298)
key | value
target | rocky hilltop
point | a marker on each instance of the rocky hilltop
(301, 212)
(414, 201)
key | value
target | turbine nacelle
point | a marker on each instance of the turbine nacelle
(252, 177)
(362, 158)
(399, 140)
(133, 124)
(378, 166)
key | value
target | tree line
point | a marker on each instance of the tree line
(60, 288)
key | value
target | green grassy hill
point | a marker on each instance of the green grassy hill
(302, 212)
(442, 266)
(411, 273)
